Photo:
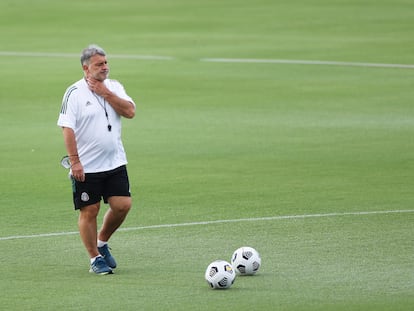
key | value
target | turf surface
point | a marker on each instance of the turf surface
(217, 141)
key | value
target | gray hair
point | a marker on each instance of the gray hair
(90, 51)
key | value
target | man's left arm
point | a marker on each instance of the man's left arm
(122, 106)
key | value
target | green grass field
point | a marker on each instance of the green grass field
(311, 164)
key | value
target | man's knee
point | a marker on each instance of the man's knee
(120, 204)
(90, 211)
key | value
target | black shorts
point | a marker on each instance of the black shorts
(100, 185)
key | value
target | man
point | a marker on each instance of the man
(91, 121)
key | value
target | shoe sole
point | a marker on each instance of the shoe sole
(101, 273)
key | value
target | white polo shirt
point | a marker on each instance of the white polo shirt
(83, 111)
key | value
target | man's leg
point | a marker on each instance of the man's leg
(115, 216)
(88, 228)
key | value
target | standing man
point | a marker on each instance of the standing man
(91, 121)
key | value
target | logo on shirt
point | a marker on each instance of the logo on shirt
(84, 197)
(88, 103)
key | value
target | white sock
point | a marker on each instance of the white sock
(102, 243)
(93, 259)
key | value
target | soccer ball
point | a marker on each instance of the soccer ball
(246, 261)
(220, 274)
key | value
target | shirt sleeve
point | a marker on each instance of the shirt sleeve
(68, 111)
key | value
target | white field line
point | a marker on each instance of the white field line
(212, 222)
(304, 62)
(72, 55)
(217, 60)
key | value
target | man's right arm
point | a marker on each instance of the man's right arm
(72, 150)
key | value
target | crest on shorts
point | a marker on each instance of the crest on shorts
(84, 197)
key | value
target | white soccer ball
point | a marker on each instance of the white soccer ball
(246, 260)
(220, 274)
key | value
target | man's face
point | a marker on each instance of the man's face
(98, 68)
